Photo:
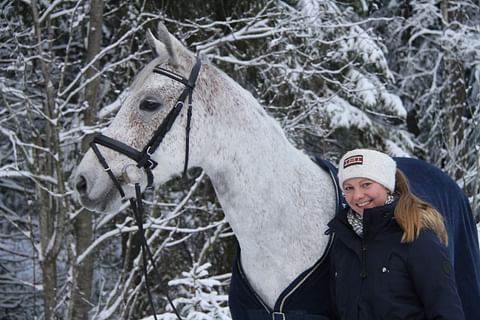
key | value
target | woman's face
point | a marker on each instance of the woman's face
(362, 193)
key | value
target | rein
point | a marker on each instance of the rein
(144, 160)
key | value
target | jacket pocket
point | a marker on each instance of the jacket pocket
(399, 281)
(403, 299)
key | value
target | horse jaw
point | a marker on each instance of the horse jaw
(102, 196)
(94, 188)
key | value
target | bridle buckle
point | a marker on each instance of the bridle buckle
(180, 104)
(150, 165)
(148, 151)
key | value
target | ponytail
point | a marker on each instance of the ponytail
(413, 214)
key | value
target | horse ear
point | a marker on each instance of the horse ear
(162, 45)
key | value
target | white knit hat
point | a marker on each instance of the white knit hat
(370, 164)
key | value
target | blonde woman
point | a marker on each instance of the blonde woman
(389, 257)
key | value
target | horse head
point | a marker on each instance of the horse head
(148, 136)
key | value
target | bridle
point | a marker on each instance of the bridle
(144, 160)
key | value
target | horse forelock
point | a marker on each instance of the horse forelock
(182, 64)
(146, 72)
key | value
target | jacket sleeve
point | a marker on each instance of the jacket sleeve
(433, 278)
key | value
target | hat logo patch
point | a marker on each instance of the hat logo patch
(353, 160)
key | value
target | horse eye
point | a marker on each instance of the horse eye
(150, 105)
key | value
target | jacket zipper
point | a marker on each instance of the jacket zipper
(363, 272)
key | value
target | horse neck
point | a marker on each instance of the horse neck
(275, 198)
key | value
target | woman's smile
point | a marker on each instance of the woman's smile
(363, 193)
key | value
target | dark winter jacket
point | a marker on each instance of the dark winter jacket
(378, 277)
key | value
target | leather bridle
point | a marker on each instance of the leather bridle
(144, 160)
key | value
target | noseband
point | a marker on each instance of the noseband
(144, 160)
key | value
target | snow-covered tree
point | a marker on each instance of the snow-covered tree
(200, 295)
(434, 50)
(317, 72)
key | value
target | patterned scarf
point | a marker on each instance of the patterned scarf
(356, 220)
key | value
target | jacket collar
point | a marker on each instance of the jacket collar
(374, 220)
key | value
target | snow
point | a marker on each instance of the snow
(343, 114)
(395, 150)
(394, 103)
(200, 297)
(365, 88)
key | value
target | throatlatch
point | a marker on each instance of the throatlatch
(144, 160)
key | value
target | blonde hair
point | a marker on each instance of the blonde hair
(413, 214)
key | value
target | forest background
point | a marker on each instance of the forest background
(400, 76)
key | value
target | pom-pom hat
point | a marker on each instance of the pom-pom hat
(370, 164)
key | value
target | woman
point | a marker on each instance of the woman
(389, 257)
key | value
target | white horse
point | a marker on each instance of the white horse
(276, 199)
(274, 196)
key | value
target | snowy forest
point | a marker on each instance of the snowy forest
(398, 76)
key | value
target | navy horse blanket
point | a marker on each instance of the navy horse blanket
(308, 296)
(431, 184)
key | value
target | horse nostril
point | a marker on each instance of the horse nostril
(81, 185)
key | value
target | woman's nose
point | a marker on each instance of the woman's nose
(357, 194)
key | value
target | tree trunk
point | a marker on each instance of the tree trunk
(454, 95)
(52, 209)
(83, 226)
(47, 261)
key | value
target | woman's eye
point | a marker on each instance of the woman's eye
(150, 105)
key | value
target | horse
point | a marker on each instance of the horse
(276, 198)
